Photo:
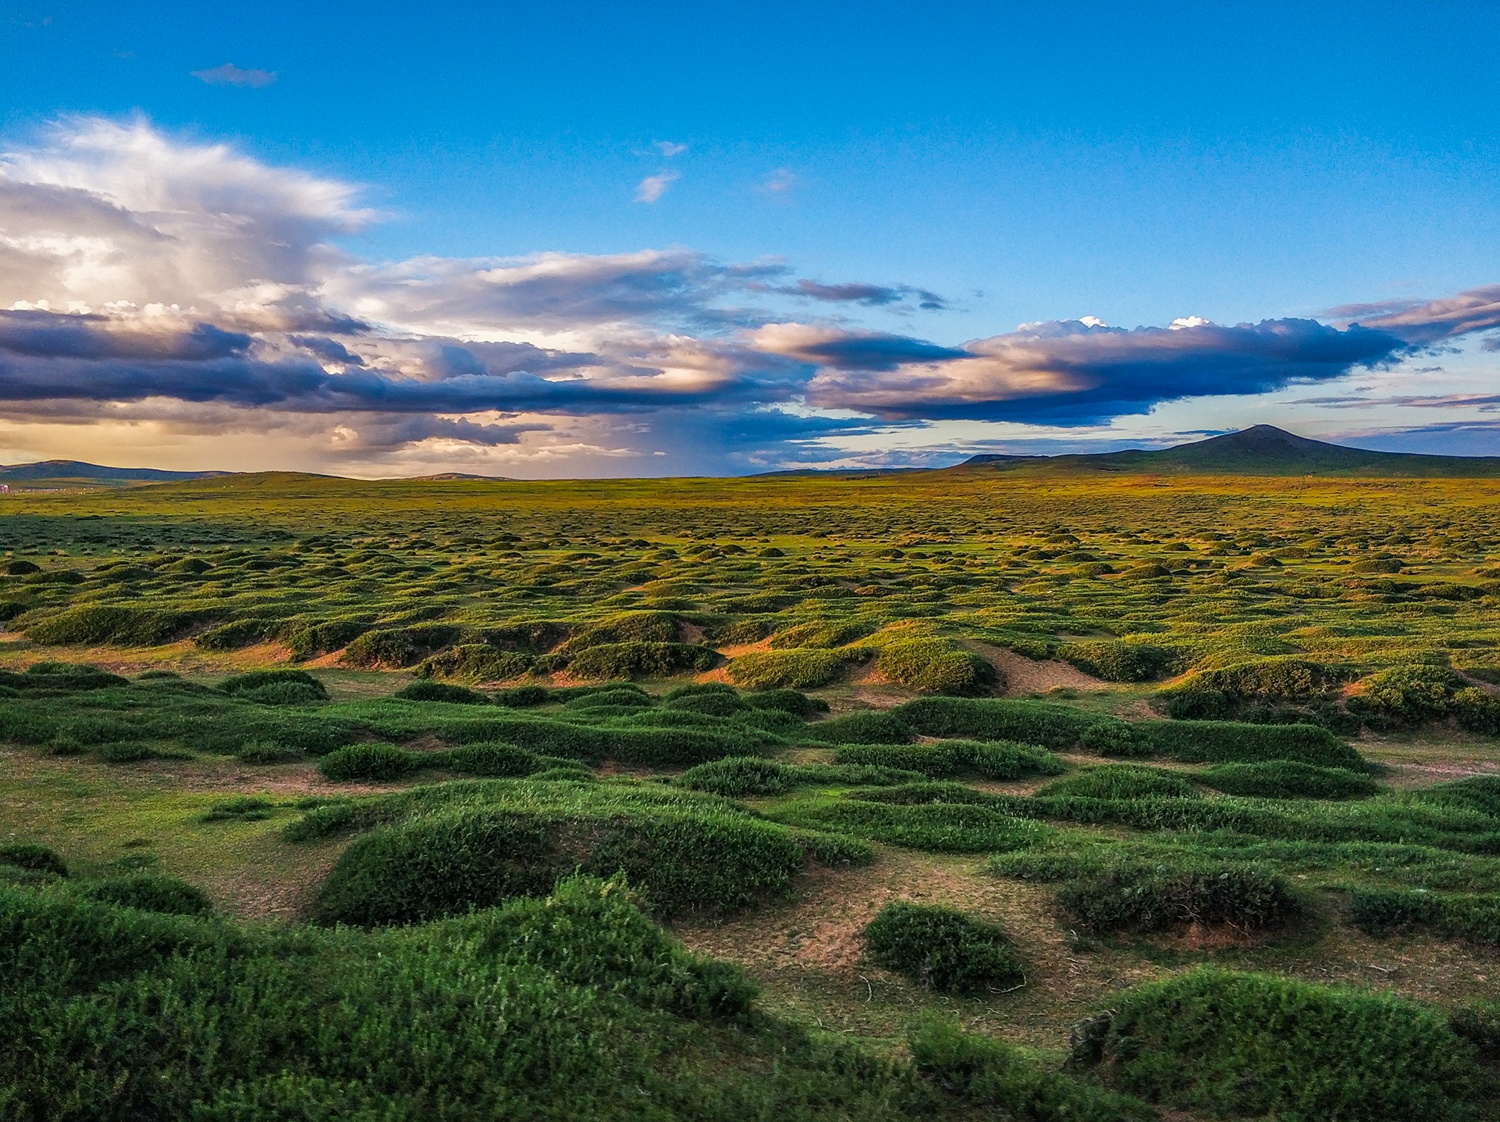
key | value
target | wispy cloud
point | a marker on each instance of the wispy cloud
(231, 75)
(669, 148)
(653, 187)
(778, 182)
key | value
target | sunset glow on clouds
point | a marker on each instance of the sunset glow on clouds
(190, 305)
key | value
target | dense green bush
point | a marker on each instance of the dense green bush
(59, 678)
(575, 1007)
(940, 827)
(523, 697)
(799, 668)
(450, 863)
(1155, 897)
(865, 726)
(1287, 779)
(1058, 727)
(1248, 1045)
(151, 892)
(1471, 916)
(1000, 1076)
(1120, 662)
(101, 623)
(34, 858)
(378, 762)
(252, 684)
(942, 949)
(1196, 742)
(998, 760)
(640, 658)
(476, 662)
(787, 701)
(1120, 781)
(1269, 679)
(1407, 695)
(492, 759)
(398, 647)
(936, 666)
(821, 633)
(437, 691)
(745, 776)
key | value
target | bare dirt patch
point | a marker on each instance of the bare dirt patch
(1024, 676)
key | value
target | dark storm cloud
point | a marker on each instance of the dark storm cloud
(870, 295)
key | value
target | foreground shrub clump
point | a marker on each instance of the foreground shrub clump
(452, 862)
(152, 892)
(438, 691)
(1247, 1045)
(1382, 911)
(942, 949)
(380, 762)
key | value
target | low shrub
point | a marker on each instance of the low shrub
(936, 666)
(454, 862)
(1196, 742)
(378, 762)
(1057, 727)
(787, 701)
(523, 697)
(798, 669)
(1287, 779)
(476, 662)
(284, 693)
(1143, 898)
(1406, 695)
(867, 726)
(437, 691)
(492, 759)
(398, 647)
(942, 949)
(102, 623)
(1120, 781)
(939, 827)
(245, 808)
(997, 760)
(640, 659)
(833, 849)
(1471, 916)
(33, 858)
(1118, 661)
(999, 1075)
(1248, 1045)
(253, 684)
(151, 892)
(125, 752)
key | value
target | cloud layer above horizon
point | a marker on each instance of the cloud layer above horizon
(154, 284)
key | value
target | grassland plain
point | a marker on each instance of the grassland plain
(1112, 728)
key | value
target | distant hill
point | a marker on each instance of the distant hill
(75, 473)
(1261, 450)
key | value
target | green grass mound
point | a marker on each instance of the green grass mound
(935, 666)
(939, 827)
(1008, 1082)
(748, 776)
(1474, 917)
(1145, 898)
(440, 691)
(997, 760)
(54, 678)
(1058, 727)
(275, 687)
(1246, 1045)
(799, 669)
(108, 623)
(453, 862)
(943, 949)
(1120, 662)
(1213, 742)
(475, 662)
(380, 763)
(1287, 779)
(867, 726)
(151, 892)
(1120, 781)
(33, 858)
(572, 1008)
(640, 659)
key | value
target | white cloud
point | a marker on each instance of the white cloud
(669, 148)
(779, 181)
(231, 75)
(653, 187)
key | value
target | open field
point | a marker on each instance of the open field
(1113, 728)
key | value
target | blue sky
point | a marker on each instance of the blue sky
(1000, 164)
